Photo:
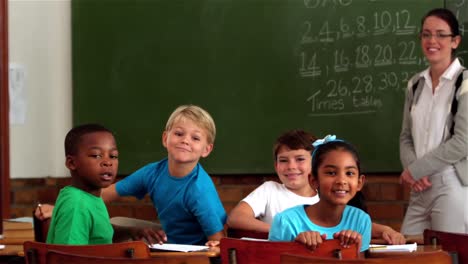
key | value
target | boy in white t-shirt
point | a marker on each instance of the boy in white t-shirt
(293, 165)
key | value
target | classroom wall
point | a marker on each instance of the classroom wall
(40, 41)
(387, 200)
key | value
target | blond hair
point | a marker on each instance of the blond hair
(196, 114)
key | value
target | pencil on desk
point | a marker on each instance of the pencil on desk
(372, 247)
(39, 205)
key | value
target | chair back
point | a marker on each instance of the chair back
(240, 233)
(455, 243)
(245, 251)
(36, 252)
(436, 257)
(57, 257)
(41, 228)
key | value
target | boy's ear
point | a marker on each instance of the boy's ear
(207, 150)
(70, 162)
(361, 181)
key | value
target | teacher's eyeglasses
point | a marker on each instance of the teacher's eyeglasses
(437, 36)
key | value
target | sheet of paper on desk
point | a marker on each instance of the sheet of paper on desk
(2, 246)
(254, 239)
(177, 247)
(393, 248)
(21, 219)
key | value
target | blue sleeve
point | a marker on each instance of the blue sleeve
(205, 204)
(136, 184)
(280, 229)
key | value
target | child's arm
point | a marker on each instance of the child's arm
(152, 236)
(213, 240)
(388, 234)
(311, 239)
(243, 217)
(110, 194)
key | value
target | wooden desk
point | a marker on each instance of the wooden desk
(12, 250)
(15, 240)
(420, 249)
(13, 245)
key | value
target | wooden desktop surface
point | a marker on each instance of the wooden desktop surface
(15, 240)
(17, 250)
(14, 247)
(12, 250)
(419, 249)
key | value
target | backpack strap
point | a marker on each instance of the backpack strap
(419, 82)
(415, 86)
(454, 106)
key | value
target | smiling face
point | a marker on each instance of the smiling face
(293, 168)
(95, 163)
(186, 142)
(338, 177)
(438, 50)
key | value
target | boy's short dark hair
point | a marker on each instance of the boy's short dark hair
(73, 137)
(294, 140)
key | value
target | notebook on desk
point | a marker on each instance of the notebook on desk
(393, 248)
(177, 247)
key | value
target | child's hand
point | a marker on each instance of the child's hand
(152, 236)
(212, 243)
(43, 211)
(393, 237)
(348, 237)
(311, 239)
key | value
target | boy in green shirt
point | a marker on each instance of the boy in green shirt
(80, 216)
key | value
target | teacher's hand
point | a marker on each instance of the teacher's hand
(406, 178)
(422, 184)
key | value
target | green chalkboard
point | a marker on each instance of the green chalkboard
(260, 67)
(460, 9)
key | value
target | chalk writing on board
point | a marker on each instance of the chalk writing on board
(460, 9)
(381, 40)
(397, 23)
(324, 3)
(363, 56)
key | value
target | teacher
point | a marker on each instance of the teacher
(434, 134)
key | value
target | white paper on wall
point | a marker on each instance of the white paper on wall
(17, 94)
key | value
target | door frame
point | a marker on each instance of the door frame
(4, 116)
